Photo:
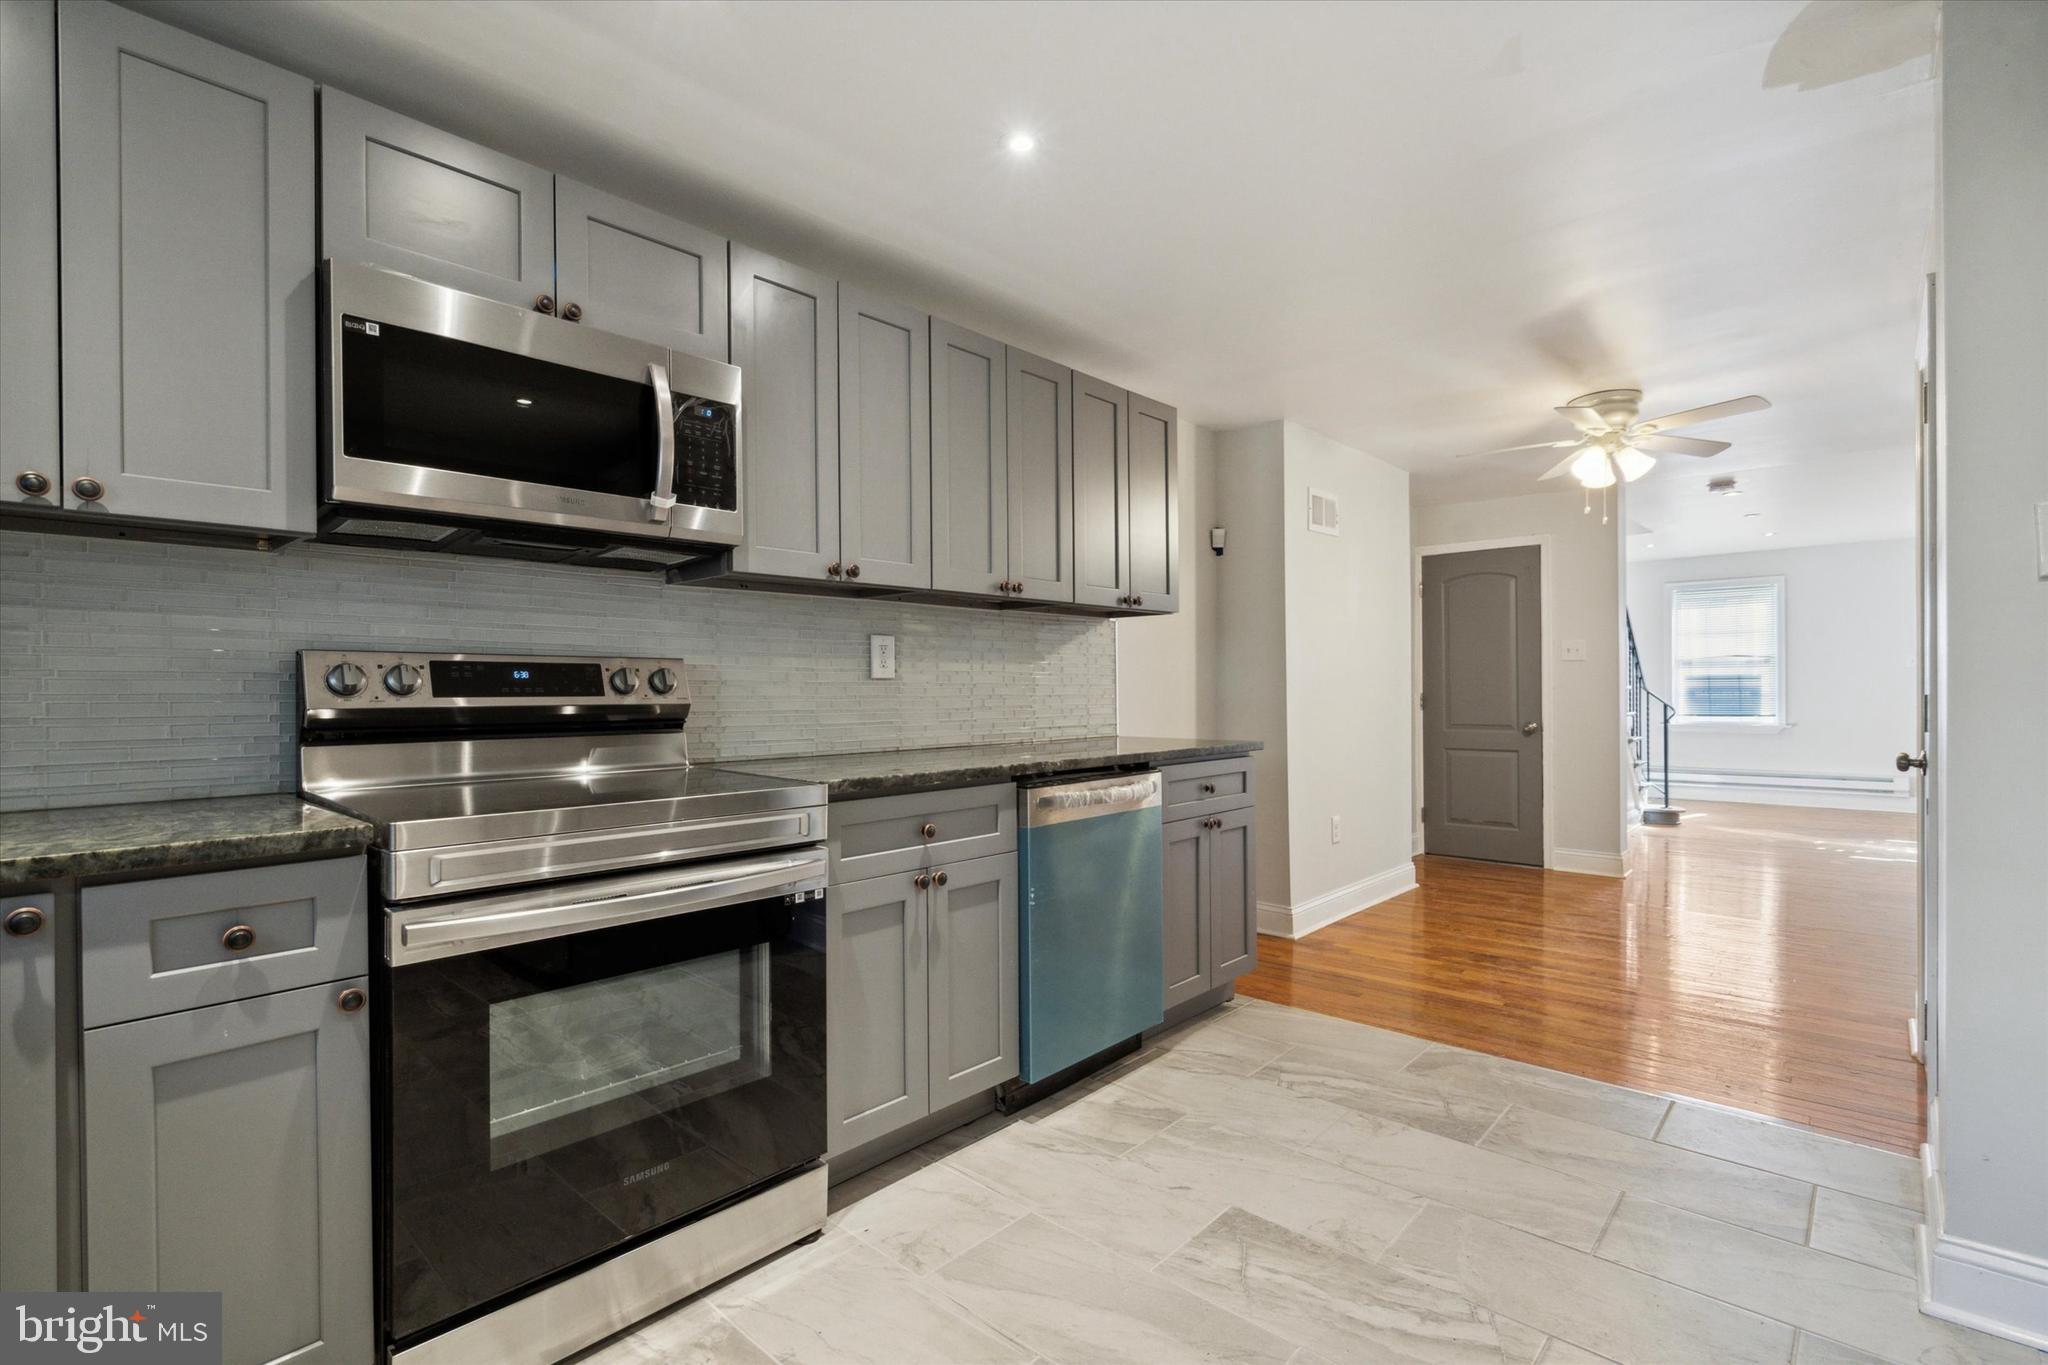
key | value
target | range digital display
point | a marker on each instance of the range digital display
(475, 678)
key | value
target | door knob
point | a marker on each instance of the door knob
(832, 569)
(1530, 728)
(1907, 762)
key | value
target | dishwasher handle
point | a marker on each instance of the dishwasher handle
(1113, 795)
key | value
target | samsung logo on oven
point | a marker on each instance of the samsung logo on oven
(368, 329)
(639, 1176)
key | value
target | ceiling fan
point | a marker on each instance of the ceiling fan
(1612, 445)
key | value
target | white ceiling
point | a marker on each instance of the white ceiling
(1415, 227)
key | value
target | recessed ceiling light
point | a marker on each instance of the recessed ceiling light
(524, 402)
(1769, 534)
(1021, 144)
(1750, 516)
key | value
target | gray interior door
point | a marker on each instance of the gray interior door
(885, 441)
(1040, 452)
(878, 1069)
(1102, 489)
(1186, 940)
(188, 276)
(970, 470)
(973, 977)
(785, 339)
(28, 255)
(1154, 505)
(400, 194)
(642, 274)
(1482, 711)
(228, 1148)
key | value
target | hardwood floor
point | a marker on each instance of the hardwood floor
(1763, 957)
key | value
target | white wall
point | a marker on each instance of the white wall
(1347, 681)
(1989, 1221)
(1586, 815)
(1849, 672)
(1162, 683)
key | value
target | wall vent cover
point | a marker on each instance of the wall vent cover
(1322, 511)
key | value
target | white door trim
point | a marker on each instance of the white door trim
(1543, 572)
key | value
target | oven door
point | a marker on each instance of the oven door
(441, 402)
(570, 1069)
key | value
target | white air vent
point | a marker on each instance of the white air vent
(1322, 511)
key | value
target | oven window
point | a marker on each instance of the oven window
(548, 1102)
(413, 398)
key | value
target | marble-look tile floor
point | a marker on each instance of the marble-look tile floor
(1269, 1185)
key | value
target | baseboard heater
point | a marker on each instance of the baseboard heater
(1836, 784)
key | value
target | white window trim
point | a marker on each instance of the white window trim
(1776, 724)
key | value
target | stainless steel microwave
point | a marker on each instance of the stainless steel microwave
(457, 422)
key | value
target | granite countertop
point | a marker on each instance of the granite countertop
(894, 772)
(170, 836)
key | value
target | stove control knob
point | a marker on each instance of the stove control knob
(662, 680)
(624, 680)
(345, 680)
(402, 680)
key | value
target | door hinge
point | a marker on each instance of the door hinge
(1421, 700)
(1425, 814)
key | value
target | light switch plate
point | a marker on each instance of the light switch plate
(1574, 651)
(881, 656)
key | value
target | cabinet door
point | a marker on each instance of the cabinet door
(1040, 454)
(228, 1148)
(1102, 490)
(188, 275)
(1186, 853)
(785, 339)
(885, 448)
(1154, 506)
(1233, 897)
(29, 1103)
(878, 1066)
(970, 471)
(28, 255)
(402, 195)
(639, 273)
(973, 964)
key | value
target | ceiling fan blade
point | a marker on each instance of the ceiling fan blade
(1509, 450)
(1561, 467)
(1677, 445)
(1585, 419)
(1692, 417)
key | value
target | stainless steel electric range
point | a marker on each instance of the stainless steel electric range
(600, 1012)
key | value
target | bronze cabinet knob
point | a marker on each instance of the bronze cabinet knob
(929, 830)
(352, 999)
(1136, 600)
(238, 937)
(24, 921)
(921, 880)
(832, 569)
(88, 489)
(939, 877)
(1016, 586)
(853, 571)
(572, 312)
(32, 482)
(1208, 789)
(544, 303)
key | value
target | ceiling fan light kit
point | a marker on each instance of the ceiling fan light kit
(1612, 446)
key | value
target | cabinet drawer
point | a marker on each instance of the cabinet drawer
(886, 834)
(152, 947)
(1207, 788)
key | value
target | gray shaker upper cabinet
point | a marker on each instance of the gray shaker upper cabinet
(1102, 490)
(188, 276)
(1154, 506)
(31, 469)
(1040, 455)
(785, 339)
(970, 474)
(885, 455)
(633, 271)
(399, 194)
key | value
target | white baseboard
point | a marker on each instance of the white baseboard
(1831, 790)
(1305, 917)
(1988, 1288)
(1587, 861)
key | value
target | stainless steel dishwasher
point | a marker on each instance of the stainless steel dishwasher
(1089, 936)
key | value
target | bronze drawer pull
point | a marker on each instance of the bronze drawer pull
(238, 937)
(351, 999)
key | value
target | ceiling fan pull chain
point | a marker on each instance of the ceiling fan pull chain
(1587, 494)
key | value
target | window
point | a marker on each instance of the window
(1728, 651)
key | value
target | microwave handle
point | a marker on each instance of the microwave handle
(664, 495)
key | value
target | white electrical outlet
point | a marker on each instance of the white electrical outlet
(1336, 830)
(881, 656)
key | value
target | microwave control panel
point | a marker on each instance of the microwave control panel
(707, 453)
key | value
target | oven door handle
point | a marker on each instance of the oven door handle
(664, 495)
(505, 920)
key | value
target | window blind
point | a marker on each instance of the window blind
(1726, 641)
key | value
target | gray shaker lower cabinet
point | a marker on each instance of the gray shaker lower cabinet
(228, 1148)
(31, 1102)
(972, 975)
(1186, 943)
(877, 1075)
(1212, 929)
(1233, 897)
